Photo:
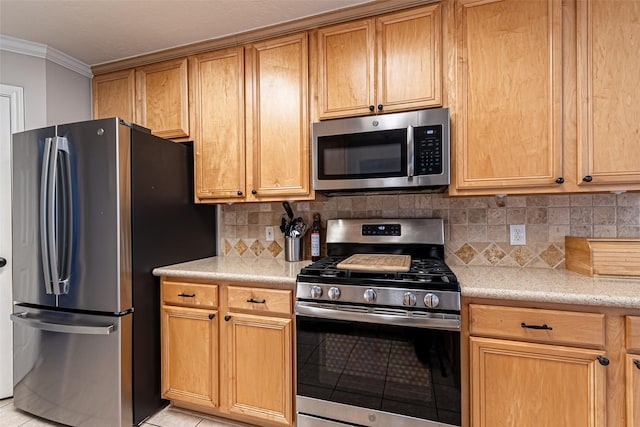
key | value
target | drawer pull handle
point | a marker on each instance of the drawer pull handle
(227, 318)
(544, 327)
(637, 363)
(603, 361)
(186, 295)
(211, 316)
(257, 301)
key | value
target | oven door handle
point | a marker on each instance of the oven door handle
(448, 322)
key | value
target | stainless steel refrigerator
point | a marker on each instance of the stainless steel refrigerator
(96, 206)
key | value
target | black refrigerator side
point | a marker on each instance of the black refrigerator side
(167, 228)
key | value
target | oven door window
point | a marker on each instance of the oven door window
(408, 371)
(381, 154)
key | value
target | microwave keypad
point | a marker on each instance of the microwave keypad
(428, 150)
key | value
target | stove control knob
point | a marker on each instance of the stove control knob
(409, 299)
(369, 295)
(431, 300)
(316, 292)
(333, 293)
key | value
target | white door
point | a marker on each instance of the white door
(11, 121)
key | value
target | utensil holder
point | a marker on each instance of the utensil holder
(293, 248)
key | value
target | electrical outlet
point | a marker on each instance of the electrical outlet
(268, 231)
(518, 234)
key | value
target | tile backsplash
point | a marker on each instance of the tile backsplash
(476, 228)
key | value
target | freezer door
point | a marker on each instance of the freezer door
(73, 369)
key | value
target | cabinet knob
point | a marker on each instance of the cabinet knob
(3, 262)
(603, 361)
(239, 193)
(587, 178)
(637, 363)
(227, 318)
(254, 191)
(560, 180)
(211, 316)
(371, 108)
(380, 107)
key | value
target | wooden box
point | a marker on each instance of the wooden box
(615, 257)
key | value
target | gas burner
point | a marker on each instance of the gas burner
(331, 272)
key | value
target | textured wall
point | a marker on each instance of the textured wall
(476, 228)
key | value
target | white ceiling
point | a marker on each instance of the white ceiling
(99, 31)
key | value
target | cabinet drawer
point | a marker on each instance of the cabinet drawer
(530, 324)
(189, 294)
(260, 299)
(633, 333)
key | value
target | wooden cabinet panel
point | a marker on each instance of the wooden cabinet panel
(633, 333)
(278, 159)
(633, 390)
(532, 385)
(346, 69)
(190, 355)
(608, 108)
(509, 94)
(163, 98)
(557, 327)
(217, 80)
(260, 299)
(114, 95)
(409, 52)
(388, 63)
(261, 367)
(189, 294)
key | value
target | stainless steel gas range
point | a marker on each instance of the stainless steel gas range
(379, 347)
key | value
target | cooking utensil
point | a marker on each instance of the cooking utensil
(288, 210)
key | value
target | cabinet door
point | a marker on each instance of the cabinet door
(346, 69)
(509, 94)
(409, 52)
(190, 355)
(114, 95)
(608, 108)
(633, 390)
(277, 119)
(260, 361)
(218, 122)
(531, 385)
(162, 98)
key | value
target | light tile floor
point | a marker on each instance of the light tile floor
(168, 417)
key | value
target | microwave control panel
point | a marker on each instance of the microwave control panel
(428, 150)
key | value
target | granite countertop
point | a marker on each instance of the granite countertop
(506, 283)
(266, 271)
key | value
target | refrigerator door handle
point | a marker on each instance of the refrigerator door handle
(56, 220)
(45, 208)
(33, 321)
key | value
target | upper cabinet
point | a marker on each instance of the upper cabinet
(162, 98)
(509, 94)
(114, 95)
(608, 90)
(389, 63)
(154, 96)
(252, 129)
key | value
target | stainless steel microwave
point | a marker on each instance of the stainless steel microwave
(390, 151)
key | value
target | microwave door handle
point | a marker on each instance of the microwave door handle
(410, 152)
(61, 283)
(45, 223)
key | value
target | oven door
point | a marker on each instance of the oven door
(375, 374)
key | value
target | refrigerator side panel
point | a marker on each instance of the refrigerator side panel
(28, 277)
(97, 185)
(167, 228)
(73, 369)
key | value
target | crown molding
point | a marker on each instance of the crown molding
(39, 50)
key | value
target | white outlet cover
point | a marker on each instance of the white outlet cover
(518, 234)
(269, 236)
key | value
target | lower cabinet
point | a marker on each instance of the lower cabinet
(233, 359)
(532, 367)
(632, 371)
